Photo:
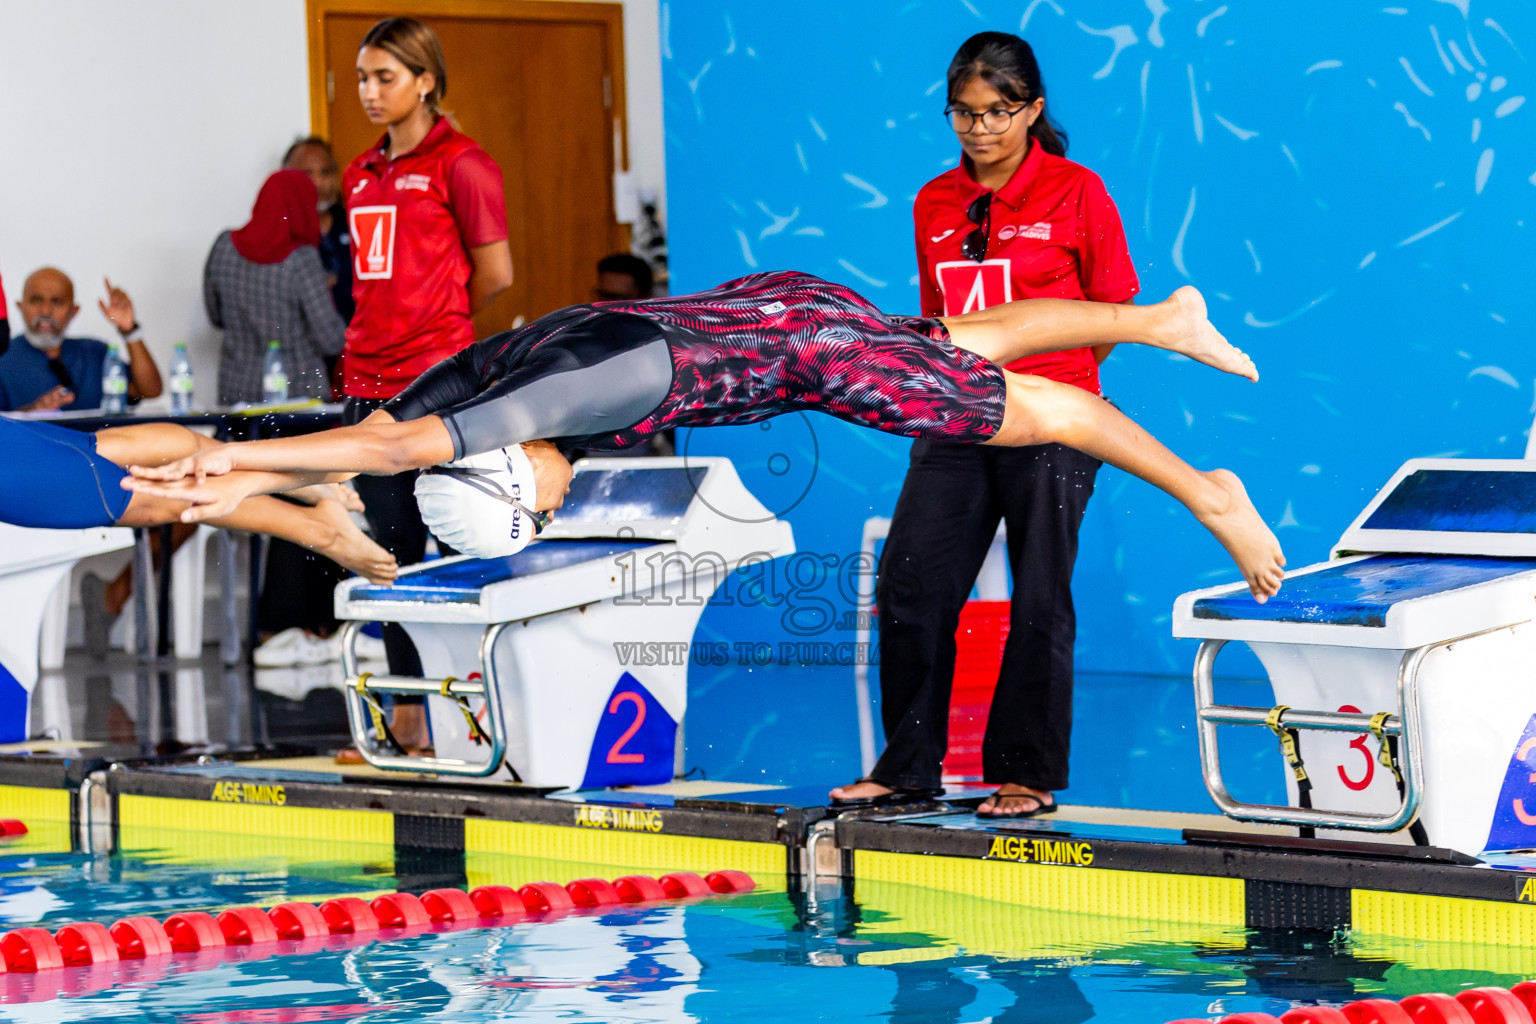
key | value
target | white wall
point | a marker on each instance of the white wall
(135, 133)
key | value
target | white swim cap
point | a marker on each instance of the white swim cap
(482, 505)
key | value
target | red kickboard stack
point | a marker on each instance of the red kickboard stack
(36, 950)
(1471, 1006)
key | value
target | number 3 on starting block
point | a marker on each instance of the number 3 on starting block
(1514, 818)
(634, 742)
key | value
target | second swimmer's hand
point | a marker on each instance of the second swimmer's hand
(213, 498)
(200, 465)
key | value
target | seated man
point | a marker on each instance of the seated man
(52, 371)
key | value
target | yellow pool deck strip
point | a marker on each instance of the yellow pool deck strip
(1157, 867)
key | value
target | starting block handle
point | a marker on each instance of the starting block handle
(412, 684)
(1404, 724)
(495, 716)
(1325, 721)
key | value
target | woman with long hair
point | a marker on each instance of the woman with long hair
(428, 221)
(1015, 220)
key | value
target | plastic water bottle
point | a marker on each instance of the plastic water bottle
(181, 380)
(114, 382)
(274, 379)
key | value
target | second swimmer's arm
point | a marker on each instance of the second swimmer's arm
(378, 446)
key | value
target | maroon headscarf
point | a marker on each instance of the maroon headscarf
(284, 218)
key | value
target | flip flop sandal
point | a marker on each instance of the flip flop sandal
(1040, 807)
(895, 796)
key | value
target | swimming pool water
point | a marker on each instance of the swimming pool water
(889, 952)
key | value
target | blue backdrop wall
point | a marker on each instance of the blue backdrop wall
(1349, 184)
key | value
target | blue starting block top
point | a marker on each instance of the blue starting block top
(460, 581)
(1457, 501)
(1361, 593)
(630, 495)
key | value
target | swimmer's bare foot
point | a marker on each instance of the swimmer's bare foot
(352, 549)
(312, 494)
(1188, 331)
(1237, 524)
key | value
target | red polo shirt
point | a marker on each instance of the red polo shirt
(413, 221)
(1055, 235)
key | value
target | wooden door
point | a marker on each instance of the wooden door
(540, 86)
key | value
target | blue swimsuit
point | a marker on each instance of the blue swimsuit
(51, 477)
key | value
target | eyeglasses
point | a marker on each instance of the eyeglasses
(979, 212)
(995, 121)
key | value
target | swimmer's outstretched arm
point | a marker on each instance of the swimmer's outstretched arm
(1032, 326)
(378, 446)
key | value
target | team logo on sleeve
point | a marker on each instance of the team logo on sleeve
(373, 237)
(968, 286)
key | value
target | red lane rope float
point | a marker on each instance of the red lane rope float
(593, 892)
(200, 937)
(400, 910)
(86, 943)
(730, 881)
(639, 889)
(348, 915)
(1376, 1011)
(246, 926)
(1491, 1005)
(30, 950)
(298, 921)
(12, 827)
(498, 902)
(1436, 1008)
(448, 906)
(546, 898)
(684, 885)
(1314, 1015)
(1486, 1005)
(139, 938)
(192, 931)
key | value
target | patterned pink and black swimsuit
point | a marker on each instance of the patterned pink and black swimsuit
(609, 375)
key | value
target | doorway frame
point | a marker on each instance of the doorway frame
(610, 15)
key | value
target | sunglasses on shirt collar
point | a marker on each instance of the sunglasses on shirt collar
(974, 247)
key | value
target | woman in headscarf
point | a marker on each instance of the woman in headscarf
(263, 283)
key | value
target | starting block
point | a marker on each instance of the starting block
(566, 664)
(1404, 669)
(34, 582)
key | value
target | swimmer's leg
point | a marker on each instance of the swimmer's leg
(1032, 326)
(149, 444)
(1041, 411)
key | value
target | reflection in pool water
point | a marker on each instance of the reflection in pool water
(889, 953)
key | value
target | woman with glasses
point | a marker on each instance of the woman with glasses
(428, 220)
(1015, 220)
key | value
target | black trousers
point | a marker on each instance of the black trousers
(394, 519)
(945, 519)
